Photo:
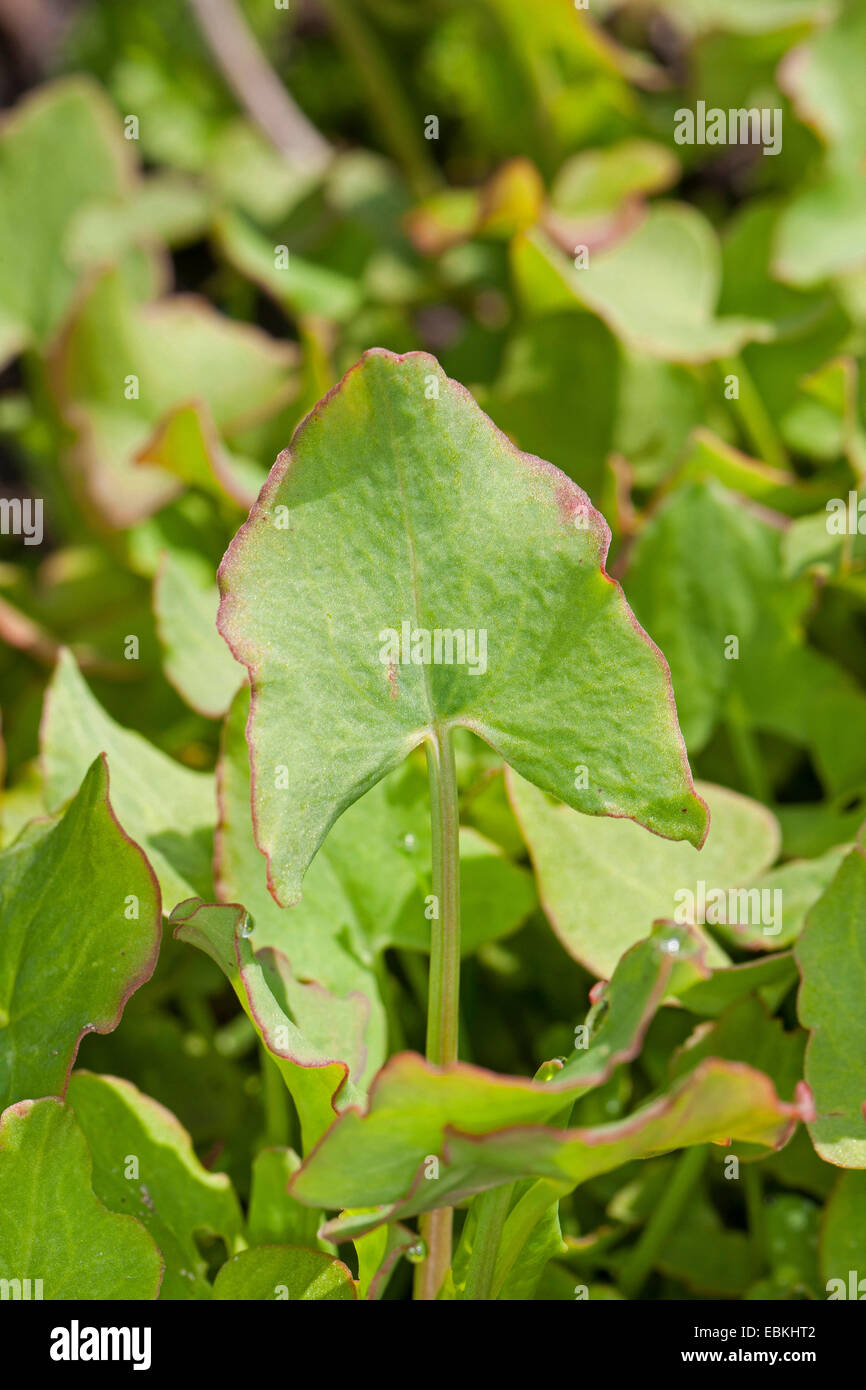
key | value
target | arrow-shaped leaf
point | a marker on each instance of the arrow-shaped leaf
(406, 570)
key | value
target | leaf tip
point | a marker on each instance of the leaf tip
(804, 1102)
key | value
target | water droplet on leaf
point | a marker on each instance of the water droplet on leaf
(548, 1070)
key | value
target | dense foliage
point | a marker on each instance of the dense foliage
(499, 233)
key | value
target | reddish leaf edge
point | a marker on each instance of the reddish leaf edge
(571, 498)
(142, 977)
(194, 905)
(791, 1113)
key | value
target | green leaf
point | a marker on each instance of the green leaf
(197, 662)
(316, 1052)
(539, 1241)
(186, 444)
(144, 1166)
(768, 376)
(660, 405)
(821, 233)
(79, 927)
(831, 954)
(834, 388)
(247, 171)
(532, 398)
(706, 569)
(21, 803)
(284, 1272)
(165, 1059)
(543, 1243)
(297, 284)
(716, 1102)
(696, 576)
(798, 1166)
(323, 936)
(167, 808)
(180, 348)
(801, 883)
(603, 882)
(770, 977)
(709, 456)
(824, 78)
(705, 1256)
(163, 208)
(435, 1101)
(598, 181)
(52, 1227)
(121, 368)
(68, 125)
(746, 1032)
(345, 906)
(275, 1217)
(378, 1254)
(657, 288)
(348, 917)
(400, 453)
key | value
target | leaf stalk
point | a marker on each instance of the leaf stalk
(443, 1008)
